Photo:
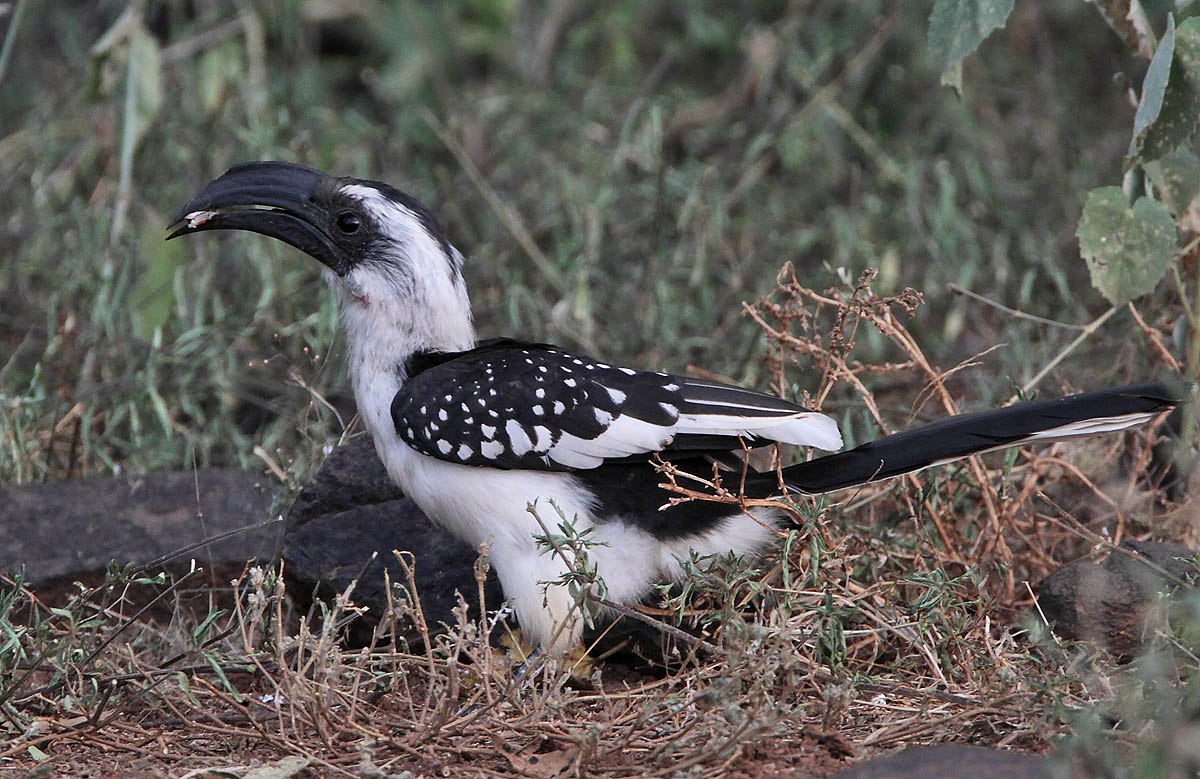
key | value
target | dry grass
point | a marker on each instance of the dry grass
(892, 617)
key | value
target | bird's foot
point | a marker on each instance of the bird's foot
(527, 657)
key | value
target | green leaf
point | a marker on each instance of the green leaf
(1169, 109)
(201, 630)
(1127, 249)
(1187, 51)
(1176, 180)
(957, 27)
(186, 687)
(1154, 92)
(220, 672)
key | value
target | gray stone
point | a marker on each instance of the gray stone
(66, 529)
(956, 761)
(1106, 603)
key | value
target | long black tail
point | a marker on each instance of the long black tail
(950, 439)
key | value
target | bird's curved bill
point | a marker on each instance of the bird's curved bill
(271, 198)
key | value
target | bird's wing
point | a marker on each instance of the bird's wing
(507, 404)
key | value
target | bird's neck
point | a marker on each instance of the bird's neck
(387, 322)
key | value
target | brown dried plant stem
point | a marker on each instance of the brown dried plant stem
(831, 354)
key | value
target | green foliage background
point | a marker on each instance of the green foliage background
(621, 176)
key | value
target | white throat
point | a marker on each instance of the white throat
(393, 307)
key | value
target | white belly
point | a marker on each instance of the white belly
(485, 505)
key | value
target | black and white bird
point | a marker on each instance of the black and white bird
(475, 433)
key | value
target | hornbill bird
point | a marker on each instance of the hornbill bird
(478, 433)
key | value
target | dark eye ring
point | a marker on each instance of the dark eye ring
(348, 222)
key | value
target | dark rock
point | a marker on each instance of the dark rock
(1141, 566)
(67, 529)
(956, 761)
(345, 525)
(1105, 603)
(351, 476)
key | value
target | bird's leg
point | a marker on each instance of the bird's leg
(575, 659)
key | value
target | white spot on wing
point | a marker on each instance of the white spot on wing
(491, 449)
(518, 439)
(635, 436)
(617, 395)
(624, 437)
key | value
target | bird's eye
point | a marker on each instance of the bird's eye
(348, 222)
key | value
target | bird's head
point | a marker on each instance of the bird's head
(387, 257)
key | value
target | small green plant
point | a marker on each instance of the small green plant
(571, 545)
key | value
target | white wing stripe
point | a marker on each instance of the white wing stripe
(729, 405)
(805, 429)
(1092, 426)
(627, 436)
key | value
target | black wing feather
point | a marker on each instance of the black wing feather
(508, 404)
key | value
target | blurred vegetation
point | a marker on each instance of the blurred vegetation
(621, 176)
